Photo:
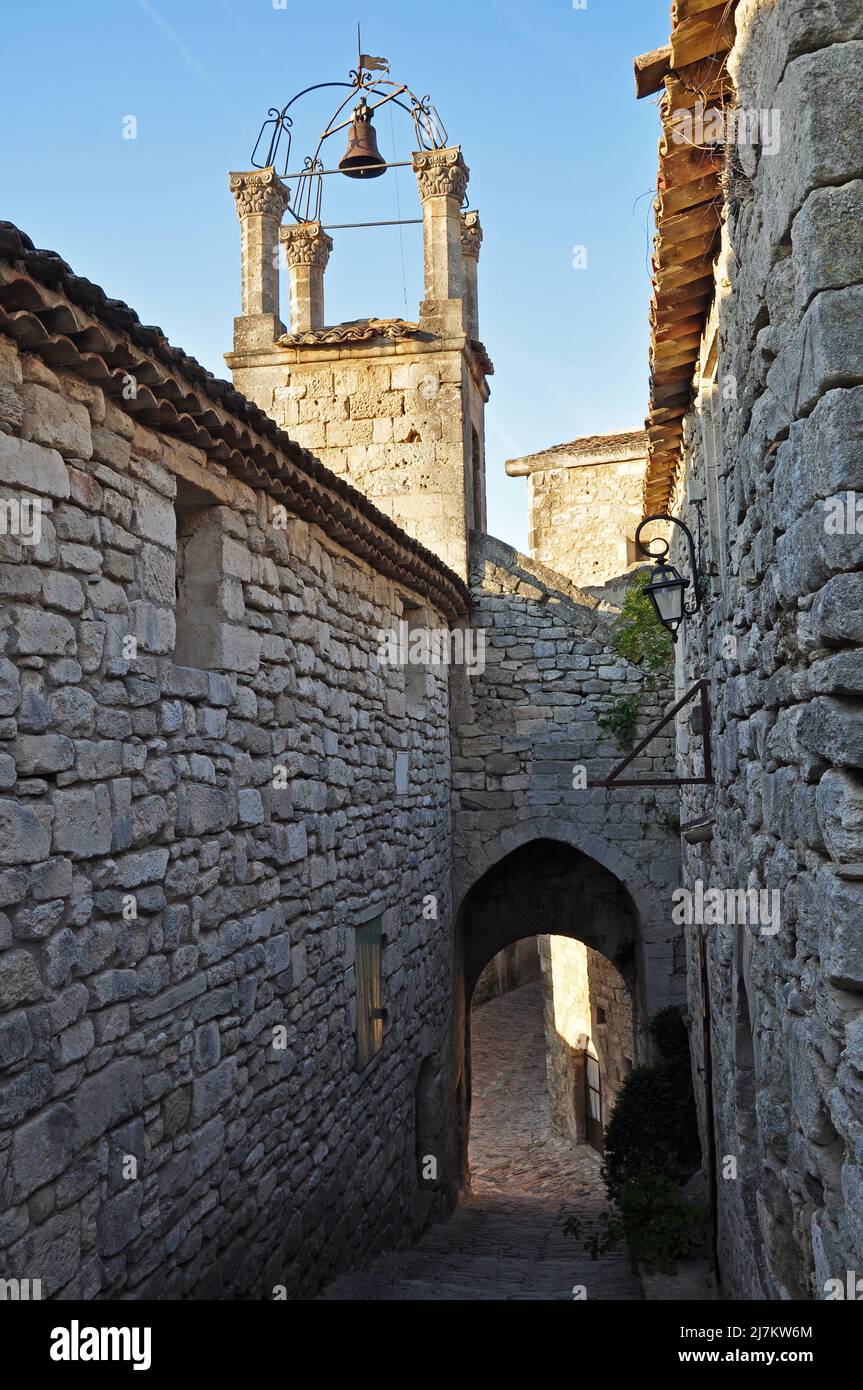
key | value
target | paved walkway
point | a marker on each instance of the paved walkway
(505, 1241)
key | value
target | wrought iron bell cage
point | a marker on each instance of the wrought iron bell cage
(370, 91)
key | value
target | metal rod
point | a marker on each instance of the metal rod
(611, 780)
(396, 222)
(318, 173)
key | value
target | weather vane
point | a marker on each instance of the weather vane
(370, 82)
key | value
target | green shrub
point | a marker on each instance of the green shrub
(639, 637)
(668, 1030)
(656, 1221)
(660, 1225)
(653, 1127)
(651, 1149)
(639, 634)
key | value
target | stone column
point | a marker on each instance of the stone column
(442, 176)
(261, 199)
(471, 240)
(307, 250)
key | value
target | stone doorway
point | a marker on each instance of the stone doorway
(586, 930)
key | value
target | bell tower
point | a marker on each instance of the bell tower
(395, 406)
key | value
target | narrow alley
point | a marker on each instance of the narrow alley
(506, 1241)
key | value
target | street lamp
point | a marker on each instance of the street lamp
(667, 585)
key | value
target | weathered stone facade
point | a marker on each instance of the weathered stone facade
(775, 433)
(588, 1009)
(525, 725)
(216, 781)
(187, 850)
(584, 504)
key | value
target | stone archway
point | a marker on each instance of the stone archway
(655, 929)
(543, 886)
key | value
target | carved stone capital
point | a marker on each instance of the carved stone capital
(306, 243)
(441, 173)
(259, 190)
(471, 235)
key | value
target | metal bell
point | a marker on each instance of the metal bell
(362, 159)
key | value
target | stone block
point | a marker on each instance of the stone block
(19, 979)
(212, 1091)
(82, 823)
(119, 1220)
(210, 809)
(207, 1145)
(38, 754)
(106, 1099)
(55, 421)
(62, 591)
(16, 1038)
(837, 614)
(153, 628)
(41, 1150)
(35, 633)
(146, 867)
(840, 815)
(833, 729)
(25, 832)
(10, 687)
(827, 240)
(840, 908)
(33, 468)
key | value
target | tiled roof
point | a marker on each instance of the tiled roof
(590, 448)
(688, 212)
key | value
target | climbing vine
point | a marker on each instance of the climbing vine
(621, 720)
(640, 638)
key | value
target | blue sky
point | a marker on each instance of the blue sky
(540, 96)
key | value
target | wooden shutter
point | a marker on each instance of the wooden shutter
(367, 968)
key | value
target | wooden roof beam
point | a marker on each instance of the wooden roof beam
(651, 70)
(711, 31)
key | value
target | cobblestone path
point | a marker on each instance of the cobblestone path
(505, 1240)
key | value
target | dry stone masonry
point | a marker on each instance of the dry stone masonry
(198, 811)
(775, 433)
(252, 867)
(241, 849)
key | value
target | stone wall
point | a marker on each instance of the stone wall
(516, 965)
(780, 406)
(400, 421)
(526, 728)
(186, 851)
(586, 1003)
(584, 504)
(611, 1027)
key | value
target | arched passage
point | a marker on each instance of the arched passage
(548, 888)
